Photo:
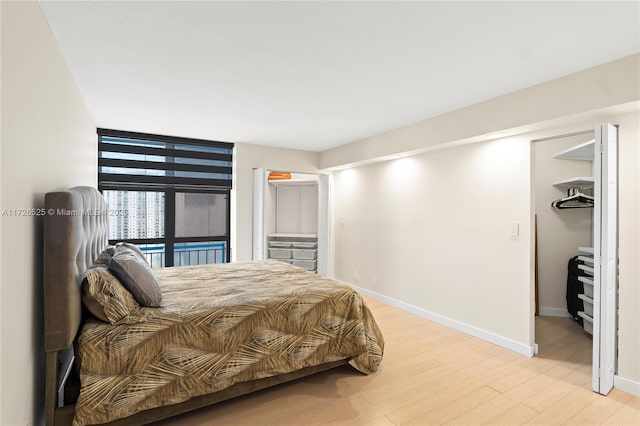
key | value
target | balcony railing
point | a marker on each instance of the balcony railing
(186, 254)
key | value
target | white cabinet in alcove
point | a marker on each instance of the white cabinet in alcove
(296, 207)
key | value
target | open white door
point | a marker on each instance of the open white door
(324, 260)
(605, 245)
(259, 238)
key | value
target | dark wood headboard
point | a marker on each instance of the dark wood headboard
(75, 232)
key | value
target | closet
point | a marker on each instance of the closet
(585, 255)
(579, 195)
(291, 219)
(576, 214)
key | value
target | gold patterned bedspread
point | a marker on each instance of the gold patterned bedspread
(221, 325)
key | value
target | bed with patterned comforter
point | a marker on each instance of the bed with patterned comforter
(220, 325)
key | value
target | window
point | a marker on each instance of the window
(168, 195)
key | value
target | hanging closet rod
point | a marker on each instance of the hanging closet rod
(566, 135)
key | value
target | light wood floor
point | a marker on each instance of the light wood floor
(431, 374)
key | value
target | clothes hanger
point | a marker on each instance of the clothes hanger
(574, 200)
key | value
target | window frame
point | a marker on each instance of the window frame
(169, 185)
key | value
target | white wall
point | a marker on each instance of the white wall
(48, 143)
(629, 246)
(1, 379)
(576, 102)
(553, 103)
(560, 232)
(247, 157)
(433, 231)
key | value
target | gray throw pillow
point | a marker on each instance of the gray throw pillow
(104, 258)
(132, 247)
(137, 277)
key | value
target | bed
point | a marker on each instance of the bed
(221, 331)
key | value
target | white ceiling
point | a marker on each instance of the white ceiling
(314, 75)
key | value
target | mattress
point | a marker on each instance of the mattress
(220, 325)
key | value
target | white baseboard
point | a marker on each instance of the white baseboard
(626, 385)
(451, 323)
(554, 312)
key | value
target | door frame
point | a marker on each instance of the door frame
(259, 240)
(605, 243)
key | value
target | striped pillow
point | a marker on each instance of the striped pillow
(105, 297)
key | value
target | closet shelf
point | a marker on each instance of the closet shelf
(583, 152)
(586, 259)
(286, 182)
(281, 235)
(587, 286)
(297, 249)
(588, 321)
(585, 298)
(586, 280)
(585, 250)
(586, 268)
(585, 316)
(582, 182)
